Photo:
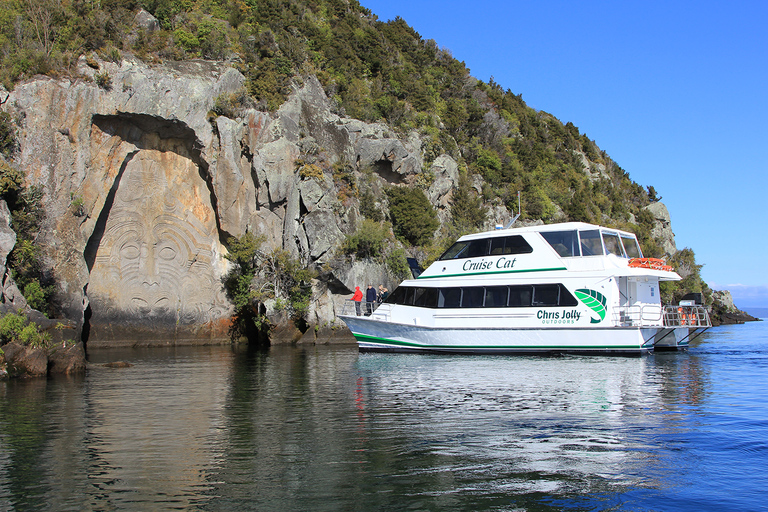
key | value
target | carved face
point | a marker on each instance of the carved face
(155, 258)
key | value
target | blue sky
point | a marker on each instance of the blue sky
(675, 92)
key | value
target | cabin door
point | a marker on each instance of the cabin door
(627, 292)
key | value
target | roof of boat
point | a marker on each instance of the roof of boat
(561, 226)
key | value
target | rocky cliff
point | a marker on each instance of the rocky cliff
(144, 185)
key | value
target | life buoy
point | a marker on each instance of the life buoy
(651, 263)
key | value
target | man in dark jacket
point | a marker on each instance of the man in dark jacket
(370, 299)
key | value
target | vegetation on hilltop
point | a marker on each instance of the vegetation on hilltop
(373, 71)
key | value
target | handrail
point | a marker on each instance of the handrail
(686, 316)
(649, 315)
(643, 315)
(358, 307)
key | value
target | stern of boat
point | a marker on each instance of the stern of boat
(682, 324)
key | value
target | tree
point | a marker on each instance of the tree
(248, 320)
(413, 218)
(467, 209)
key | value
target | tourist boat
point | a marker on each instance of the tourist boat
(559, 288)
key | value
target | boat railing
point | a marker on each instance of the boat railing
(637, 315)
(358, 307)
(686, 316)
(649, 315)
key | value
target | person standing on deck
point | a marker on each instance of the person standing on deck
(370, 299)
(357, 297)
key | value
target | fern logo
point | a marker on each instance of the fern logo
(594, 301)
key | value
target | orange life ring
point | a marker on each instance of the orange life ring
(651, 263)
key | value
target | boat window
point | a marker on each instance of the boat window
(496, 296)
(612, 244)
(566, 297)
(457, 250)
(449, 298)
(497, 246)
(631, 246)
(515, 244)
(397, 296)
(520, 296)
(425, 297)
(591, 245)
(566, 243)
(477, 248)
(546, 295)
(472, 297)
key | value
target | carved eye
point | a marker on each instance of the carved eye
(167, 253)
(130, 252)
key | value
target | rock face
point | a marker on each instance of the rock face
(143, 187)
(663, 227)
(726, 312)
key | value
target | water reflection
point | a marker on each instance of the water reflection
(327, 428)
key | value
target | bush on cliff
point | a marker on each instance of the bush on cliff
(413, 218)
(248, 321)
(368, 241)
(25, 204)
(257, 276)
(15, 328)
(684, 263)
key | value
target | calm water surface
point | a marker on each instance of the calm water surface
(326, 428)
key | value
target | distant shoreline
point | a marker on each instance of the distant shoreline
(757, 312)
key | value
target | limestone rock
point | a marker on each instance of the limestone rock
(163, 185)
(22, 361)
(146, 22)
(67, 360)
(663, 227)
(446, 172)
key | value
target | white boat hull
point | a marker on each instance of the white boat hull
(377, 335)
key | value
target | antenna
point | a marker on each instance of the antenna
(509, 224)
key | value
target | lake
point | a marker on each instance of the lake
(326, 428)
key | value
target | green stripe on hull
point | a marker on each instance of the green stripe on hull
(409, 344)
(494, 272)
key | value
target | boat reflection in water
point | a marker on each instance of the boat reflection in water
(523, 428)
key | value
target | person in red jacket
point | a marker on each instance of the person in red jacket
(357, 297)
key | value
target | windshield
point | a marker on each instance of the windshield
(591, 245)
(631, 246)
(612, 244)
(566, 243)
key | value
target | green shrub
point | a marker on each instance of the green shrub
(413, 218)
(15, 328)
(36, 296)
(11, 182)
(309, 171)
(368, 241)
(397, 264)
(10, 327)
(7, 134)
(103, 80)
(467, 207)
